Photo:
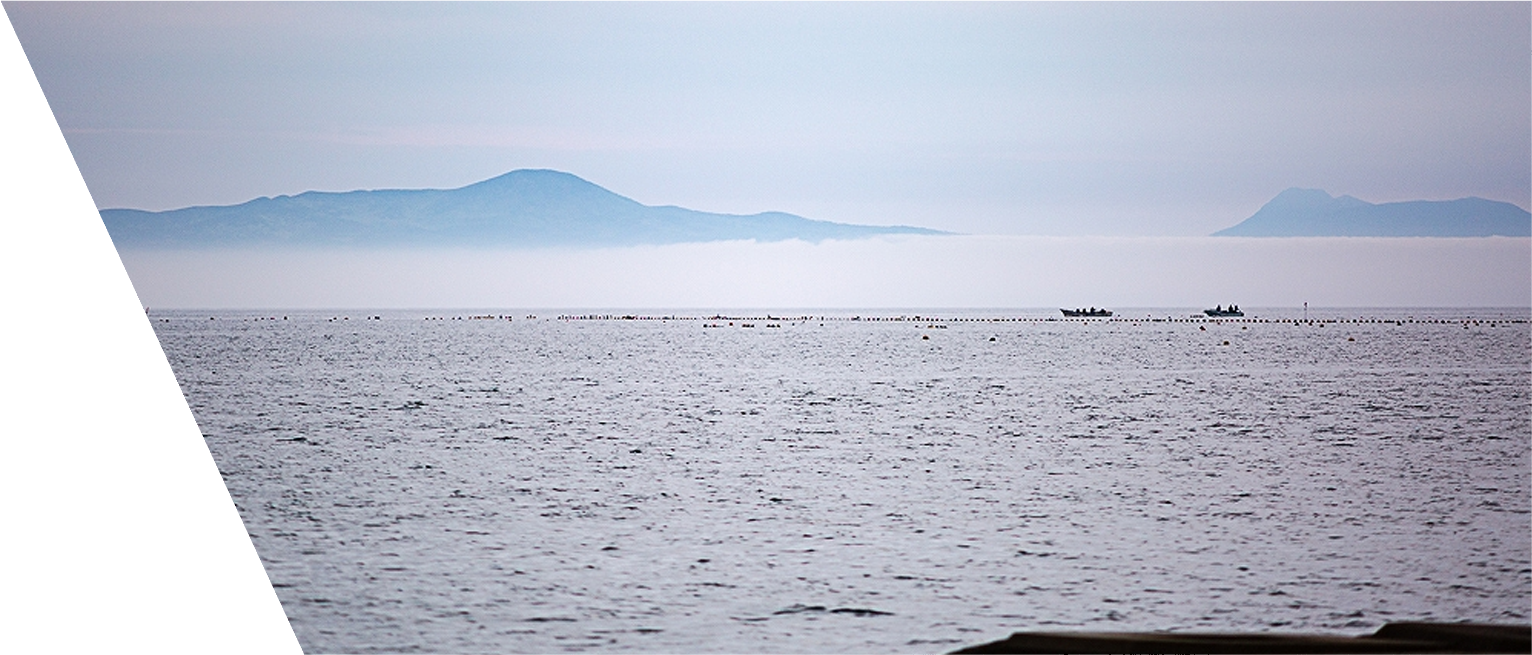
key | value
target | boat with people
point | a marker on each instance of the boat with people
(1218, 311)
(1092, 312)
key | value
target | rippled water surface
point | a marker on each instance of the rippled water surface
(433, 482)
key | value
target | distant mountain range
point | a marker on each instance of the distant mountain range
(1314, 213)
(520, 208)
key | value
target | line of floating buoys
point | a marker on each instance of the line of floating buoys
(938, 322)
(1134, 321)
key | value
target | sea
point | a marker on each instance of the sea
(853, 481)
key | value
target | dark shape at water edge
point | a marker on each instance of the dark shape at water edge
(1314, 213)
(520, 208)
(1391, 638)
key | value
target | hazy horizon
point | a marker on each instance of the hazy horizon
(981, 118)
(1133, 129)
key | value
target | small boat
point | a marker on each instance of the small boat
(1087, 312)
(1219, 311)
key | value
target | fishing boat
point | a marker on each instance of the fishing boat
(1219, 311)
(1092, 312)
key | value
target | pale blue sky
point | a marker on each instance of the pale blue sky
(994, 118)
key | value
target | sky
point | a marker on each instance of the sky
(1061, 119)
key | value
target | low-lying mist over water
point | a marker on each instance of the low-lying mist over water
(948, 271)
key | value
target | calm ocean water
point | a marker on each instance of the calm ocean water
(429, 481)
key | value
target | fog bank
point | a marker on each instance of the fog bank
(936, 272)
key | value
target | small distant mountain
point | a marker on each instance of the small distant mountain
(1314, 213)
(519, 208)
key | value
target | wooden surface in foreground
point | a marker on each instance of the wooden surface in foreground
(1391, 638)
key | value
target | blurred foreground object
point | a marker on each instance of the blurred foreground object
(1391, 638)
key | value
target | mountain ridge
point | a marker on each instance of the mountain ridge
(525, 207)
(1312, 212)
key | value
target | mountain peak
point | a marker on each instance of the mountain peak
(1312, 212)
(533, 176)
(1299, 195)
(521, 208)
